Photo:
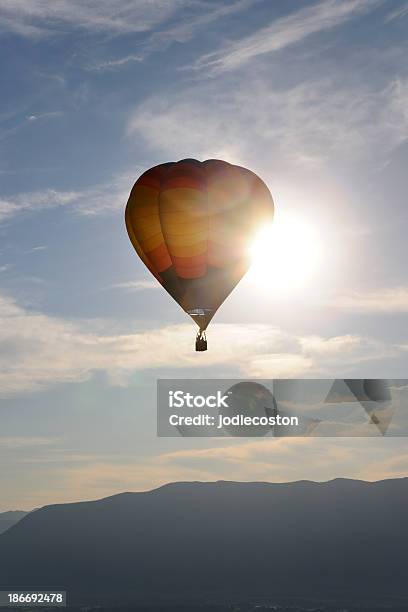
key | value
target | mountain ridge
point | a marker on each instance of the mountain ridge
(213, 482)
(9, 518)
(217, 538)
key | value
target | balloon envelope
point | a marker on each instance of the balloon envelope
(192, 224)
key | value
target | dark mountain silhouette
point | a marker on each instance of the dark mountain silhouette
(7, 519)
(222, 539)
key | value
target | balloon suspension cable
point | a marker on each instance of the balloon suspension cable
(201, 341)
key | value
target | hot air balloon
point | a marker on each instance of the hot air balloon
(192, 224)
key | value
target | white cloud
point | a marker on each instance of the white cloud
(336, 346)
(39, 350)
(118, 62)
(136, 285)
(399, 13)
(283, 365)
(258, 124)
(283, 32)
(38, 18)
(49, 115)
(386, 300)
(92, 201)
(25, 442)
(183, 31)
(35, 201)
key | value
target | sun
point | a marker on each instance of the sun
(285, 255)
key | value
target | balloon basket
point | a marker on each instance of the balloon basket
(201, 341)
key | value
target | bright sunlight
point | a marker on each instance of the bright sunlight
(285, 255)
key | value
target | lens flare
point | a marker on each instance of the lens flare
(285, 255)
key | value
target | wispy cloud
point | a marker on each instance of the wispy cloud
(92, 201)
(187, 26)
(283, 32)
(36, 18)
(385, 300)
(398, 13)
(25, 442)
(49, 115)
(309, 123)
(137, 285)
(69, 352)
(21, 123)
(119, 62)
(35, 201)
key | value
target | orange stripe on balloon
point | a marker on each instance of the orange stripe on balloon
(149, 244)
(144, 219)
(139, 250)
(190, 262)
(160, 257)
(190, 250)
(192, 272)
(184, 216)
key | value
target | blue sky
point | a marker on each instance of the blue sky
(313, 96)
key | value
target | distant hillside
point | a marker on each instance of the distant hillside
(7, 519)
(214, 540)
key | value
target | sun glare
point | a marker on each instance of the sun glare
(285, 255)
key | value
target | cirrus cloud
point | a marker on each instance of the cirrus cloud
(39, 18)
(283, 32)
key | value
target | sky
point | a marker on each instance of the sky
(312, 96)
